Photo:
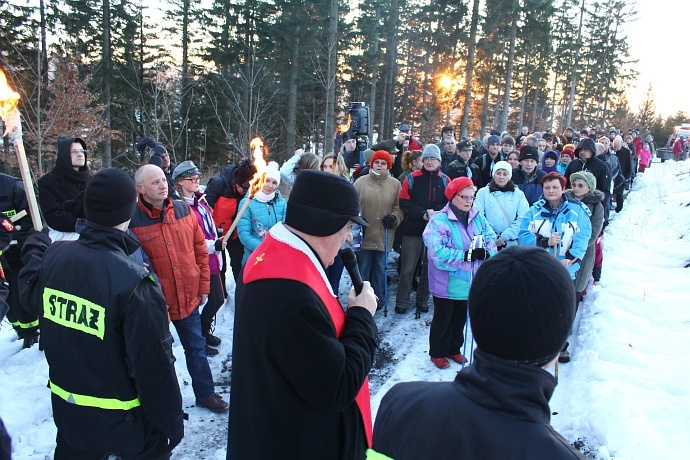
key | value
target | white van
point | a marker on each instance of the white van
(683, 130)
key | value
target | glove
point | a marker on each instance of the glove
(389, 221)
(75, 206)
(219, 245)
(477, 254)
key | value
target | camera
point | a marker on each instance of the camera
(359, 118)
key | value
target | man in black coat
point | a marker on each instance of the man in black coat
(498, 407)
(299, 363)
(463, 166)
(104, 328)
(625, 159)
(61, 191)
(486, 162)
(586, 160)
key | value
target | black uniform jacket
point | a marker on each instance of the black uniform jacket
(104, 329)
(493, 410)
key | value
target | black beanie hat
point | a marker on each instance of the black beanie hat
(529, 152)
(522, 305)
(110, 198)
(321, 203)
(348, 135)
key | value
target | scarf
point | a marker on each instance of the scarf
(264, 198)
(463, 216)
(509, 187)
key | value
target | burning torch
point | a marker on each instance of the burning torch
(255, 184)
(13, 130)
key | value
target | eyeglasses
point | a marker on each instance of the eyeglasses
(193, 179)
(466, 198)
(429, 159)
(77, 152)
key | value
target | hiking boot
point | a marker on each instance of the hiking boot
(424, 308)
(458, 358)
(379, 304)
(213, 403)
(564, 357)
(441, 363)
(211, 339)
(211, 351)
(402, 309)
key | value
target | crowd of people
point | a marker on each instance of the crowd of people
(155, 250)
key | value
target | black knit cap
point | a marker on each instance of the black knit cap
(522, 305)
(529, 152)
(321, 204)
(110, 198)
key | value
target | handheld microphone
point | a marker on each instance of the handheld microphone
(350, 261)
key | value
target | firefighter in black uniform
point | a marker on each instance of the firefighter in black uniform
(13, 201)
(105, 334)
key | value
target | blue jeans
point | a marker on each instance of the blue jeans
(372, 267)
(194, 344)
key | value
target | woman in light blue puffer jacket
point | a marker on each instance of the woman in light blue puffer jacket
(266, 209)
(503, 204)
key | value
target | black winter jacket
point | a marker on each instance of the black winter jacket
(599, 169)
(421, 190)
(494, 409)
(458, 168)
(485, 164)
(63, 184)
(625, 158)
(12, 201)
(106, 337)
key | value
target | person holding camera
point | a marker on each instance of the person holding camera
(378, 196)
(458, 240)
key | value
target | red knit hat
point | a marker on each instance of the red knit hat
(457, 184)
(568, 151)
(382, 155)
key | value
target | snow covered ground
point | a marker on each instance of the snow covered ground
(625, 395)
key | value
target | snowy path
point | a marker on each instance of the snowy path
(625, 395)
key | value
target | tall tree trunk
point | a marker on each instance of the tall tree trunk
(523, 96)
(41, 82)
(485, 105)
(107, 71)
(292, 88)
(186, 90)
(374, 70)
(390, 65)
(533, 123)
(469, 71)
(573, 81)
(330, 77)
(553, 102)
(509, 72)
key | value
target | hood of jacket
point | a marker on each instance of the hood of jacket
(63, 162)
(593, 197)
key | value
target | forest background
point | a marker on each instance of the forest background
(206, 77)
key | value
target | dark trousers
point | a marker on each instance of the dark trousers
(156, 448)
(216, 298)
(446, 334)
(236, 250)
(24, 323)
(619, 200)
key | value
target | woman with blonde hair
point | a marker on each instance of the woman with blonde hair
(334, 164)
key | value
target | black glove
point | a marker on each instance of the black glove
(389, 221)
(175, 441)
(477, 254)
(75, 206)
(219, 245)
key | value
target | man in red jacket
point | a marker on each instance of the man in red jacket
(170, 235)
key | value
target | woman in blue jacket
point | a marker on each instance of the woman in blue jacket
(558, 223)
(266, 209)
(502, 203)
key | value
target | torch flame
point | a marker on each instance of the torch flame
(258, 180)
(8, 97)
(345, 127)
